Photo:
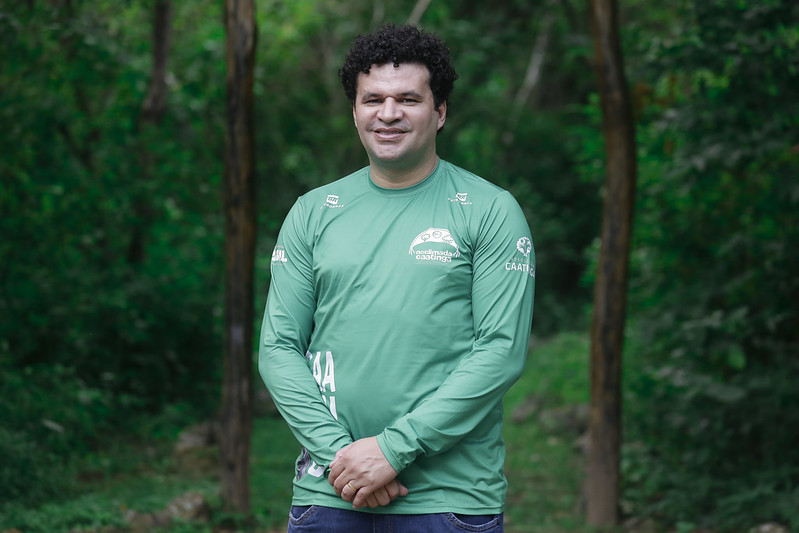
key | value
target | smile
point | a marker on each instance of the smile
(388, 134)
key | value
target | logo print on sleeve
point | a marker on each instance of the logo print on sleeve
(326, 379)
(279, 255)
(325, 375)
(524, 245)
(306, 465)
(435, 244)
(522, 263)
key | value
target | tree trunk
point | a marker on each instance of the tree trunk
(236, 415)
(155, 101)
(152, 111)
(610, 294)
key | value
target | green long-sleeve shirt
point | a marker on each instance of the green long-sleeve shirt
(403, 314)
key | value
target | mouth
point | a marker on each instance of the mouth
(388, 134)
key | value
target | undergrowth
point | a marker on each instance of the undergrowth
(138, 470)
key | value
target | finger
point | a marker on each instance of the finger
(393, 489)
(372, 501)
(348, 492)
(337, 467)
(381, 495)
(335, 472)
(359, 500)
(341, 481)
(396, 489)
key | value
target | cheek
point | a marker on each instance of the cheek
(361, 120)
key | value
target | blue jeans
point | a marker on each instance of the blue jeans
(318, 519)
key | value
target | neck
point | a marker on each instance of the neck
(389, 178)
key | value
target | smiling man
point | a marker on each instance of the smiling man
(397, 120)
(399, 315)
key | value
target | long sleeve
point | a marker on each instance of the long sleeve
(285, 335)
(502, 304)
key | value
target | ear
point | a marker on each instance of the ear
(442, 114)
(354, 119)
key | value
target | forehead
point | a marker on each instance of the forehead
(387, 78)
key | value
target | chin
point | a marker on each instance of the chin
(388, 157)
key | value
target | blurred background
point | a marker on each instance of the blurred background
(112, 239)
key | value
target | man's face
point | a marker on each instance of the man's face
(397, 120)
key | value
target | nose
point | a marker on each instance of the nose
(389, 111)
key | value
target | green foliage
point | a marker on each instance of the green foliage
(98, 333)
(712, 401)
(28, 474)
(92, 333)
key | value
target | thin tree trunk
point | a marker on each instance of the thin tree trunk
(378, 13)
(610, 296)
(532, 76)
(152, 111)
(236, 415)
(155, 101)
(418, 11)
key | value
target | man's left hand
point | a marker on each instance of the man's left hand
(359, 470)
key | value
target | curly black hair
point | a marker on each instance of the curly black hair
(400, 44)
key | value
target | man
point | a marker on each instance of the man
(399, 315)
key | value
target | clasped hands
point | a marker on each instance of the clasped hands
(361, 474)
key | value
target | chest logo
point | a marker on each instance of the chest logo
(461, 198)
(434, 244)
(332, 202)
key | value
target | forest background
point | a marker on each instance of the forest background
(112, 224)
